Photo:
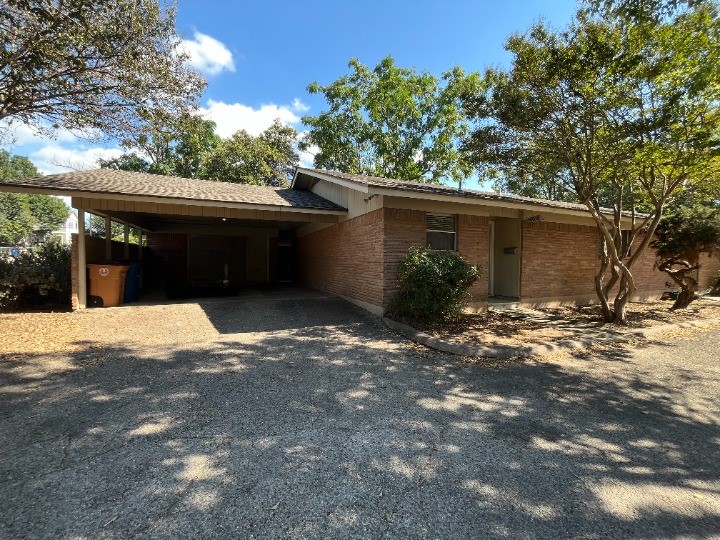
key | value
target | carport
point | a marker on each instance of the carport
(194, 237)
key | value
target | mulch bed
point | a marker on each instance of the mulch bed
(549, 324)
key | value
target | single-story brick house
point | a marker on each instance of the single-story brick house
(341, 233)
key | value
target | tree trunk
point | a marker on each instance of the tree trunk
(627, 289)
(685, 298)
(688, 284)
(602, 290)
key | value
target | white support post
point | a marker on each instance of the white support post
(108, 238)
(140, 240)
(126, 252)
(82, 261)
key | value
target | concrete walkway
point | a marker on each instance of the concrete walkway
(307, 418)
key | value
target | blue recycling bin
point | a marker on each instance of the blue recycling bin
(132, 282)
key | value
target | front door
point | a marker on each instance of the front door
(506, 257)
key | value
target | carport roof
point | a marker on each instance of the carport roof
(135, 184)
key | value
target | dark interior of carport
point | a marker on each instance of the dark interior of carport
(220, 252)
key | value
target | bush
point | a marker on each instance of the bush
(433, 285)
(38, 277)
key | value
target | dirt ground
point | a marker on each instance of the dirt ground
(522, 326)
(47, 332)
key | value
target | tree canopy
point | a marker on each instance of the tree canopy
(21, 214)
(267, 159)
(394, 122)
(188, 147)
(91, 66)
(682, 237)
(173, 146)
(613, 113)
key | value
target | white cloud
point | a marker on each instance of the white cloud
(299, 106)
(16, 134)
(207, 54)
(307, 157)
(54, 158)
(231, 117)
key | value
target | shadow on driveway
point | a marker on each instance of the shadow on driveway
(339, 429)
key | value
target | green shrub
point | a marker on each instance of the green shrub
(433, 285)
(38, 277)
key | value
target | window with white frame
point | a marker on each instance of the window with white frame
(441, 232)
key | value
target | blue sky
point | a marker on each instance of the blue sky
(259, 57)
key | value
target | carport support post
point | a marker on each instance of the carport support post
(108, 239)
(126, 252)
(82, 262)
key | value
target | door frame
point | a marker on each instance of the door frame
(491, 260)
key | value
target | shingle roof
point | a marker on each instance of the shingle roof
(439, 189)
(106, 181)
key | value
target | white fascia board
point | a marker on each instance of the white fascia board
(352, 184)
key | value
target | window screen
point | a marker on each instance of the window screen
(441, 232)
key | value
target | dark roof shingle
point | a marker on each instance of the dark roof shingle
(107, 181)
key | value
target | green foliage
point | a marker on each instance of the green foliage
(616, 112)
(188, 147)
(96, 227)
(16, 167)
(16, 219)
(433, 285)
(686, 233)
(91, 65)
(392, 122)
(267, 159)
(682, 236)
(50, 212)
(22, 214)
(174, 146)
(41, 276)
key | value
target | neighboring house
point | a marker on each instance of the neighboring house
(342, 233)
(70, 227)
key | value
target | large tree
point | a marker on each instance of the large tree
(683, 236)
(91, 65)
(163, 144)
(267, 159)
(21, 214)
(393, 122)
(620, 114)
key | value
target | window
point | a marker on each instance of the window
(441, 232)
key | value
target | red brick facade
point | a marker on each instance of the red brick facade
(562, 260)
(558, 259)
(345, 259)
(359, 258)
(709, 268)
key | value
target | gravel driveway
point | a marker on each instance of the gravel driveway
(306, 418)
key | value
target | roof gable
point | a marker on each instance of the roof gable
(366, 183)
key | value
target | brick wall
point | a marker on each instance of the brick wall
(558, 259)
(74, 282)
(345, 259)
(474, 245)
(647, 277)
(562, 260)
(709, 268)
(359, 258)
(402, 230)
